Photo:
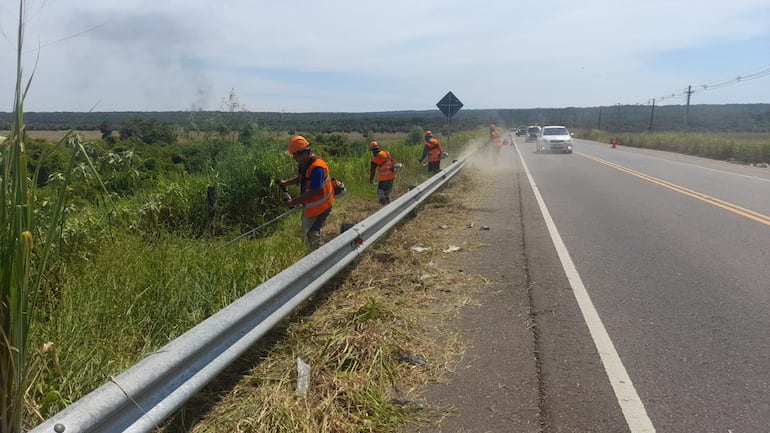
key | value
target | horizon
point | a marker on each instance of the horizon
(436, 110)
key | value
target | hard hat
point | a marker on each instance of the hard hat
(428, 134)
(374, 145)
(297, 143)
(491, 126)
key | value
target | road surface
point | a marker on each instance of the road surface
(645, 277)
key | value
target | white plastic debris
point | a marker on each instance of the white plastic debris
(419, 248)
(452, 249)
(303, 376)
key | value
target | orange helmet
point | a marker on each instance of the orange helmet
(491, 126)
(297, 143)
(374, 145)
(428, 134)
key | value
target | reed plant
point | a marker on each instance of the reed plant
(23, 260)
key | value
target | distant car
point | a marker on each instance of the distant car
(554, 139)
(532, 133)
(521, 130)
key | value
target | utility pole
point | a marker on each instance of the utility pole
(652, 114)
(687, 110)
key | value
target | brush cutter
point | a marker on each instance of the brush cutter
(260, 227)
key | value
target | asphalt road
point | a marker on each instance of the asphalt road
(673, 252)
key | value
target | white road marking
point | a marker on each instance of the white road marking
(630, 403)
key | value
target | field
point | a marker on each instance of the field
(57, 135)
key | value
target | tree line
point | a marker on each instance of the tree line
(618, 118)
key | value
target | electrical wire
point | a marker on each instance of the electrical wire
(711, 86)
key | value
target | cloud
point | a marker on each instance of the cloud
(344, 55)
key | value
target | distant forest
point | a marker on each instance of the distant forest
(618, 118)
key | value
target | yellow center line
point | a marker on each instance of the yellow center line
(748, 213)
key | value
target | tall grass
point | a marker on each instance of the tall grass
(23, 261)
(15, 262)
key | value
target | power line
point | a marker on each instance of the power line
(689, 91)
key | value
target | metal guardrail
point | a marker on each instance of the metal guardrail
(145, 395)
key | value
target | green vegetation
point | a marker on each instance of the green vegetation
(739, 147)
(136, 252)
(27, 240)
(235, 120)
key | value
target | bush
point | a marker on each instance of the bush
(179, 207)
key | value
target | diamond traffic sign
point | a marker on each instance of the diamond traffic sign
(449, 104)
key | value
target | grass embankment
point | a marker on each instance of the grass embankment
(748, 148)
(139, 285)
(365, 339)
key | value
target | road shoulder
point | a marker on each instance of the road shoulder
(493, 385)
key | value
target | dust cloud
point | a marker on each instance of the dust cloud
(486, 160)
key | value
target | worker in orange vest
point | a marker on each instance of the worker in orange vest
(316, 189)
(433, 152)
(495, 140)
(386, 167)
(614, 142)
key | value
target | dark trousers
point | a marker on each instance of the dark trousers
(434, 167)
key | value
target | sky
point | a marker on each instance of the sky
(299, 56)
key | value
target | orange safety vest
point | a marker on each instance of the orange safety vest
(434, 152)
(384, 162)
(496, 140)
(324, 198)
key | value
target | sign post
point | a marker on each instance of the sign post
(449, 105)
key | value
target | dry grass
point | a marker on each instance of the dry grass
(395, 303)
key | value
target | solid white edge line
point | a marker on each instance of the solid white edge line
(630, 403)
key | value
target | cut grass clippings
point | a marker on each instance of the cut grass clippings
(372, 341)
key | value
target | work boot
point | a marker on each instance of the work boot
(314, 239)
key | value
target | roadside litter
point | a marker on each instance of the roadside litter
(303, 377)
(411, 358)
